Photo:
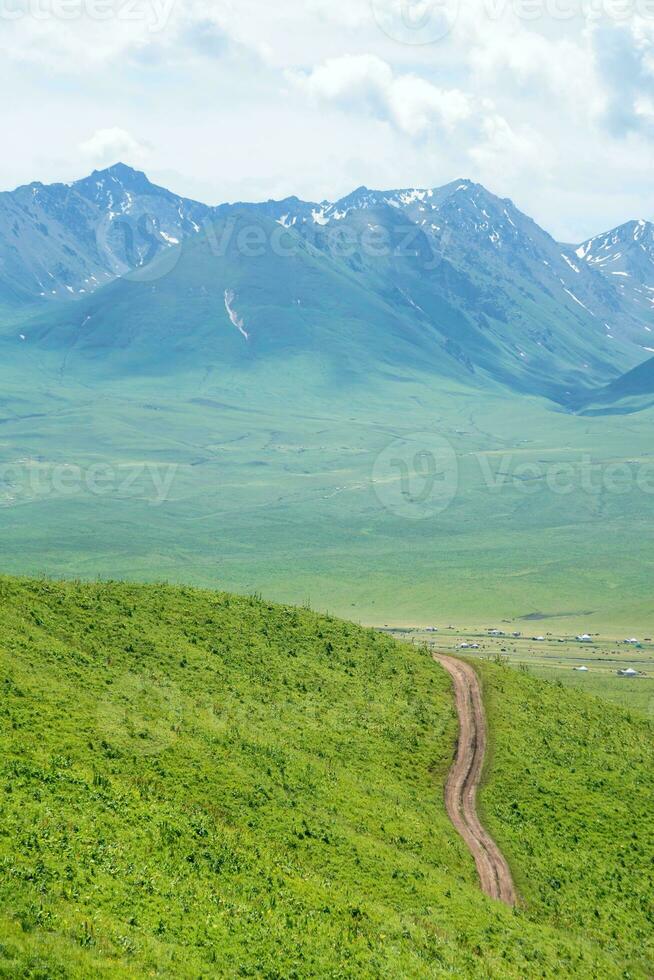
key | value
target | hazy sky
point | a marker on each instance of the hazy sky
(549, 102)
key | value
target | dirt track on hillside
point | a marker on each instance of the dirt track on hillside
(464, 778)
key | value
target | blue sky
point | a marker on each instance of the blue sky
(549, 102)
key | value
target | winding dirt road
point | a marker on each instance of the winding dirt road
(464, 778)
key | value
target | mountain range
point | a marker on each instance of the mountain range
(443, 282)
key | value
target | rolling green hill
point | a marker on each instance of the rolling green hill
(223, 302)
(199, 784)
(631, 392)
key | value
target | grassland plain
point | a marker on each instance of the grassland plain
(554, 657)
(196, 784)
(276, 494)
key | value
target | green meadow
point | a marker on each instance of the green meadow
(543, 651)
(250, 482)
(200, 784)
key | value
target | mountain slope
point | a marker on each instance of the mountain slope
(220, 302)
(524, 312)
(472, 285)
(374, 294)
(631, 392)
(202, 784)
(62, 241)
(625, 257)
(504, 274)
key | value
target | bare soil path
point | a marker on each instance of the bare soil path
(464, 778)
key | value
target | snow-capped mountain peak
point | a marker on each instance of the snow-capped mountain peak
(625, 256)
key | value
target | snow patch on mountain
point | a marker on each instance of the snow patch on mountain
(235, 319)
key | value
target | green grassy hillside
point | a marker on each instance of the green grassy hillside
(631, 392)
(568, 794)
(290, 300)
(196, 784)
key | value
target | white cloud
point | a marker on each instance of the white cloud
(503, 153)
(91, 34)
(527, 106)
(418, 109)
(107, 146)
(527, 60)
(624, 57)
(348, 80)
(412, 104)
(416, 105)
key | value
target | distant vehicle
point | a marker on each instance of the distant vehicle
(516, 635)
(580, 668)
(627, 672)
(632, 640)
(496, 633)
(584, 638)
(539, 638)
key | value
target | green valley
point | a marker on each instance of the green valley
(326, 491)
(294, 400)
(233, 483)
